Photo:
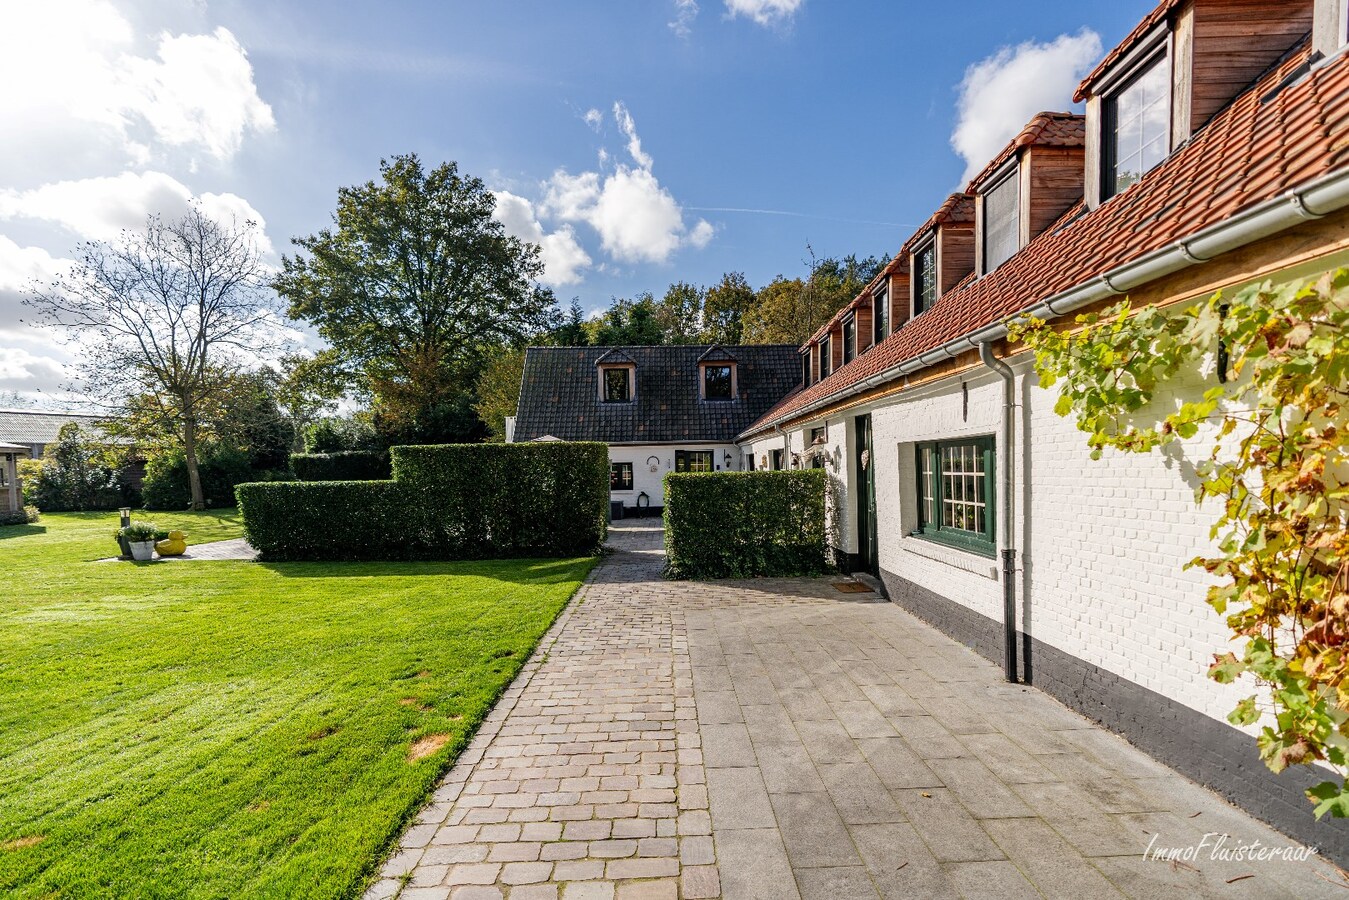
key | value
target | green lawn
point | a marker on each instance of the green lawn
(232, 729)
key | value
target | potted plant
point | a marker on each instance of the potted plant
(140, 537)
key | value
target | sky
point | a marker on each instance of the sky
(639, 143)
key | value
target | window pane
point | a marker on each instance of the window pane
(717, 382)
(620, 477)
(1141, 115)
(849, 340)
(1002, 221)
(699, 460)
(880, 312)
(616, 385)
(925, 280)
(824, 357)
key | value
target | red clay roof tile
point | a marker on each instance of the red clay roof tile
(1251, 152)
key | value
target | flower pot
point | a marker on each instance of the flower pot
(142, 551)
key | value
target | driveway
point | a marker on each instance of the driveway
(780, 738)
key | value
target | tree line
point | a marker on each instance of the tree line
(425, 305)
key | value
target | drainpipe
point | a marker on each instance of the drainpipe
(1008, 547)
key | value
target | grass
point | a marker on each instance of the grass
(235, 729)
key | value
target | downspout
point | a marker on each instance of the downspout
(1007, 545)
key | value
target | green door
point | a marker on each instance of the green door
(865, 461)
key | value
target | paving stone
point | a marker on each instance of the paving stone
(994, 880)
(841, 746)
(739, 799)
(852, 883)
(753, 866)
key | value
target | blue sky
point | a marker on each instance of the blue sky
(622, 134)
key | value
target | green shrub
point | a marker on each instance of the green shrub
(456, 501)
(138, 532)
(345, 465)
(744, 524)
(221, 468)
(77, 472)
(26, 516)
(334, 435)
(326, 520)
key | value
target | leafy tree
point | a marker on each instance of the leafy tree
(570, 330)
(789, 311)
(724, 307)
(1276, 475)
(412, 287)
(169, 313)
(679, 314)
(338, 434)
(627, 323)
(78, 472)
(499, 391)
(307, 388)
(252, 422)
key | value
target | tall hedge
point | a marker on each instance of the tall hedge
(744, 524)
(345, 465)
(456, 501)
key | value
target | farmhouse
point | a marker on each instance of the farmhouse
(660, 409)
(1212, 154)
(25, 434)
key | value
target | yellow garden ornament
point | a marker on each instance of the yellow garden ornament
(175, 545)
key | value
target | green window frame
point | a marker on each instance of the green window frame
(956, 481)
(694, 461)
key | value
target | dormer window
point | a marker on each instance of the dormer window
(718, 381)
(1136, 132)
(924, 278)
(880, 314)
(825, 356)
(849, 339)
(616, 384)
(1002, 220)
(805, 368)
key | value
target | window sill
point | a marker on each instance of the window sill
(950, 555)
(973, 546)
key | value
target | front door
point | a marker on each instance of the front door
(866, 497)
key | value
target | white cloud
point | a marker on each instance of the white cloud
(636, 218)
(594, 118)
(998, 95)
(68, 65)
(685, 12)
(564, 260)
(629, 129)
(764, 12)
(100, 208)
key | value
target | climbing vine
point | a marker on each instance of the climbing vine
(1276, 476)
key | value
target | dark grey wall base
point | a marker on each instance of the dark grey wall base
(1205, 750)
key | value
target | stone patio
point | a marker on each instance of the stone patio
(781, 739)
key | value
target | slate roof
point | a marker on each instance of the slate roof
(1269, 140)
(28, 426)
(559, 394)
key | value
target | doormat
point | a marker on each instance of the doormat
(851, 587)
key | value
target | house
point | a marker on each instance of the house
(25, 434)
(1212, 154)
(660, 409)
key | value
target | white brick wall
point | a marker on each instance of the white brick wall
(1101, 556)
(643, 479)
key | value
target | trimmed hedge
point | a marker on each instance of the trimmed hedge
(445, 502)
(744, 524)
(345, 465)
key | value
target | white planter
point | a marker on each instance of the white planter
(142, 551)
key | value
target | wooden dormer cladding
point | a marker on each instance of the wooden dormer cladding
(955, 241)
(1046, 161)
(1232, 43)
(835, 346)
(1212, 50)
(864, 325)
(899, 292)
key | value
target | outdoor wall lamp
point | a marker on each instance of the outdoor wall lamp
(728, 459)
